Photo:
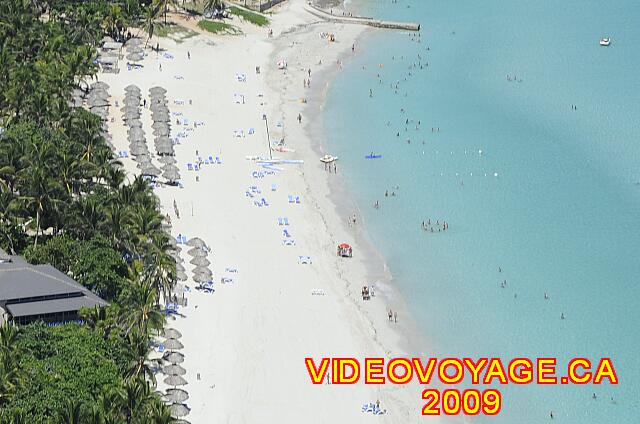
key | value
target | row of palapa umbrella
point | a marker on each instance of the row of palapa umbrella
(161, 130)
(131, 114)
(97, 101)
(199, 252)
(174, 373)
(135, 52)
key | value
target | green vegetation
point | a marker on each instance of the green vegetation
(65, 200)
(176, 32)
(247, 15)
(218, 27)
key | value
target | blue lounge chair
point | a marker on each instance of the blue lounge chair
(291, 199)
(274, 187)
(286, 221)
(298, 199)
(211, 159)
(280, 221)
(190, 166)
(286, 233)
(218, 161)
(264, 202)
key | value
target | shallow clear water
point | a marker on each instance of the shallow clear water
(560, 216)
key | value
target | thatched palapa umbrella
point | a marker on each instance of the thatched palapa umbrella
(149, 170)
(171, 333)
(176, 395)
(175, 380)
(173, 344)
(179, 410)
(200, 261)
(173, 370)
(174, 357)
(171, 176)
(168, 160)
(196, 242)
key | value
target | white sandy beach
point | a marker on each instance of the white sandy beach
(249, 338)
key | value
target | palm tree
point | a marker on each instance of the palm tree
(143, 314)
(9, 367)
(150, 15)
(71, 413)
(164, 6)
(139, 367)
(210, 5)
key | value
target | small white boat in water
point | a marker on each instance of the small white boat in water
(605, 41)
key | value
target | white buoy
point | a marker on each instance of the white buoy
(495, 174)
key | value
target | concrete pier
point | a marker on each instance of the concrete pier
(320, 13)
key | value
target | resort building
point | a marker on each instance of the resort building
(39, 292)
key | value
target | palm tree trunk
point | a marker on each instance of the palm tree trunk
(35, 243)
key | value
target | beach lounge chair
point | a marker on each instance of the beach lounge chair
(218, 161)
(298, 199)
(190, 166)
(226, 280)
(211, 159)
(289, 242)
(286, 221)
(286, 233)
(248, 194)
(304, 260)
(231, 270)
(196, 167)
(291, 200)
(264, 202)
(252, 131)
(280, 221)
(274, 187)
(206, 162)
(258, 204)
(125, 154)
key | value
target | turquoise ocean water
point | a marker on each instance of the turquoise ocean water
(562, 215)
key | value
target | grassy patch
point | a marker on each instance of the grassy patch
(176, 32)
(247, 15)
(218, 27)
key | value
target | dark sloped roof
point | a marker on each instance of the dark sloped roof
(25, 288)
(67, 304)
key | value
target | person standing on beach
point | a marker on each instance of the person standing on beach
(299, 119)
(390, 315)
(395, 316)
(188, 55)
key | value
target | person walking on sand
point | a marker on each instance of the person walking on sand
(299, 118)
(395, 316)
(390, 315)
(188, 55)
